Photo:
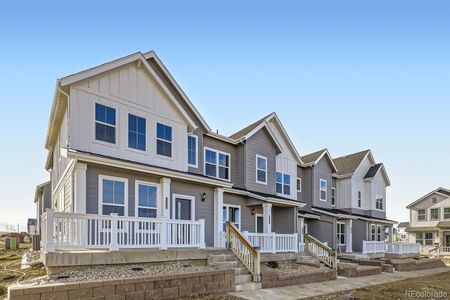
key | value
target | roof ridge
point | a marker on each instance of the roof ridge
(351, 154)
(238, 134)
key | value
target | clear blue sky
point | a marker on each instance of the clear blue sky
(346, 75)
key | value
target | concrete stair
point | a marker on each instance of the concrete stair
(243, 279)
(309, 260)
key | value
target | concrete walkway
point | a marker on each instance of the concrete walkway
(334, 286)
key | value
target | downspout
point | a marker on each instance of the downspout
(68, 111)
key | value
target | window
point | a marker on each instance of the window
(333, 196)
(446, 212)
(136, 132)
(359, 198)
(192, 150)
(113, 195)
(421, 215)
(429, 238)
(373, 232)
(146, 199)
(217, 164)
(434, 200)
(232, 214)
(299, 185)
(323, 190)
(341, 233)
(163, 140)
(434, 214)
(105, 123)
(424, 238)
(379, 233)
(283, 183)
(379, 203)
(261, 169)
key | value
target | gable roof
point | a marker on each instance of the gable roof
(313, 158)
(373, 171)
(348, 164)
(403, 225)
(254, 127)
(58, 107)
(439, 191)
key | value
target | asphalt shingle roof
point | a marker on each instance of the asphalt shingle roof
(403, 224)
(349, 163)
(312, 157)
(373, 170)
(243, 132)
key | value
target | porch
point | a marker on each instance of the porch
(379, 247)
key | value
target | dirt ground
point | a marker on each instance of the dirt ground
(10, 263)
(398, 290)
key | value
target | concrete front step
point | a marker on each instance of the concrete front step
(240, 279)
(249, 286)
(228, 265)
(220, 258)
(241, 271)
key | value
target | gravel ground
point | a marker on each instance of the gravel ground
(89, 273)
(289, 268)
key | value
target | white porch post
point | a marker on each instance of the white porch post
(79, 195)
(165, 197)
(301, 231)
(218, 217)
(49, 233)
(348, 236)
(390, 234)
(114, 223)
(267, 217)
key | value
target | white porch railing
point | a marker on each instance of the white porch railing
(78, 231)
(373, 247)
(273, 242)
(301, 247)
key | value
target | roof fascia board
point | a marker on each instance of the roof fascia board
(426, 196)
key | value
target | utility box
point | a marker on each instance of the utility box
(36, 242)
(12, 243)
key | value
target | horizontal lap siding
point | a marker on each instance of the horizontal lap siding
(284, 220)
(247, 219)
(359, 232)
(321, 230)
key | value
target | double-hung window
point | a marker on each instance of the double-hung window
(373, 232)
(379, 203)
(299, 185)
(146, 199)
(421, 215)
(113, 195)
(341, 233)
(323, 190)
(446, 212)
(105, 123)
(333, 196)
(434, 214)
(424, 238)
(283, 183)
(163, 140)
(429, 238)
(217, 164)
(192, 150)
(261, 169)
(136, 132)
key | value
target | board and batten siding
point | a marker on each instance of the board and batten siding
(130, 90)
(260, 144)
(323, 170)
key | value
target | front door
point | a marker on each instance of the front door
(259, 224)
(447, 240)
(183, 209)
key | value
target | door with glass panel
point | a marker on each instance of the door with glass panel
(182, 233)
(183, 209)
(232, 214)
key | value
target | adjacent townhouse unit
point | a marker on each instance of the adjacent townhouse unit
(429, 223)
(401, 234)
(133, 164)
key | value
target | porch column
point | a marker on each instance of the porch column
(267, 217)
(165, 198)
(218, 217)
(390, 234)
(301, 232)
(348, 236)
(79, 189)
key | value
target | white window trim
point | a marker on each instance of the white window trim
(136, 197)
(443, 213)
(373, 234)
(320, 190)
(217, 163)
(439, 217)
(187, 197)
(342, 233)
(227, 212)
(117, 136)
(163, 140)
(359, 199)
(284, 183)
(425, 220)
(100, 193)
(379, 233)
(256, 221)
(196, 151)
(376, 203)
(297, 185)
(258, 169)
(333, 197)
(127, 136)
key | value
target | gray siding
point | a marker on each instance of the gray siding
(323, 230)
(247, 219)
(322, 170)
(240, 166)
(307, 186)
(260, 144)
(359, 234)
(284, 220)
(224, 147)
(199, 170)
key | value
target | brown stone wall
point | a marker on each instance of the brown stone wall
(273, 279)
(156, 287)
(422, 264)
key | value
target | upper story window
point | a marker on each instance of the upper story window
(359, 198)
(192, 150)
(113, 195)
(323, 190)
(333, 196)
(283, 183)
(299, 185)
(105, 123)
(446, 212)
(261, 169)
(421, 215)
(146, 199)
(434, 214)
(163, 140)
(217, 164)
(136, 132)
(379, 203)
(434, 200)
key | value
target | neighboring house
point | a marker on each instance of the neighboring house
(42, 200)
(429, 223)
(31, 227)
(401, 234)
